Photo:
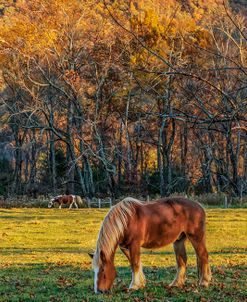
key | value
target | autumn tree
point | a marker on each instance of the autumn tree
(136, 95)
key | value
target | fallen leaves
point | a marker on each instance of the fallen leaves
(64, 282)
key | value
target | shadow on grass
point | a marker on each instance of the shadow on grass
(47, 214)
(40, 216)
(80, 250)
(225, 250)
(53, 282)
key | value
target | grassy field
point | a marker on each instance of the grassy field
(44, 258)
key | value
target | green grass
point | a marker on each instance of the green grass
(44, 258)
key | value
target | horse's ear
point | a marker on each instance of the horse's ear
(91, 255)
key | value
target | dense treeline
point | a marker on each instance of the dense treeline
(123, 96)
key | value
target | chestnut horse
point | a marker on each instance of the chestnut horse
(65, 199)
(132, 224)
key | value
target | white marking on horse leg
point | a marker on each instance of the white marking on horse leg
(180, 277)
(73, 201)
(76, 205)
(96, 271)
(142, 278)
(60, 207)
(138, 279)
(206, 275)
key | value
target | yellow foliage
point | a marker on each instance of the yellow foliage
(36, 27)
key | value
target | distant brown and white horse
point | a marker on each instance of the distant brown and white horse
(66, 199)
(132, 224)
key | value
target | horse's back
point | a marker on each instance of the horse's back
(180, 201)
(182, 205)
(162, 221)
(65, 199)
(189, 213)
(177, 207)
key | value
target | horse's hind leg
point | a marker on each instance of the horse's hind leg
(181, 258)
(204, 271)
(138, 278)
(71, 205)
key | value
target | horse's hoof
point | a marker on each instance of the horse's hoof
(136, 287)
(176, 284)
(204, 283)
(133, 288)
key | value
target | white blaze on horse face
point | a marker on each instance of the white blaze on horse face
(96, 272)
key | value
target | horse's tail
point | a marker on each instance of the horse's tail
(79, 200)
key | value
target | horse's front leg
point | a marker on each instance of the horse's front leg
(138, 277)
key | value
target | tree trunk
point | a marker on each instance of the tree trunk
(160, 159)
(33, 161)
(234, 157)
(120, 154)
(70, 158)
(52, 154)
(184, 149)
(17, 184)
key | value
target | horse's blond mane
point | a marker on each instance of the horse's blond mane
(113, 227)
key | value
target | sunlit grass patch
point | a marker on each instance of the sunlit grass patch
(44, 258)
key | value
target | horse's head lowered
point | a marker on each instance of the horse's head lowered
(111, 233)
(51, 203)
(104, 273)
(54, 200)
